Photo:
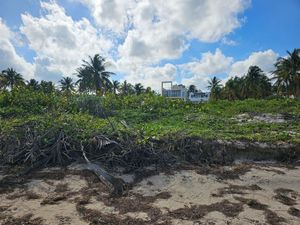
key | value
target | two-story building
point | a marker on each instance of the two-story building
(180, 91)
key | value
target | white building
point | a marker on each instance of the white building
(174, 91)
(180, 91)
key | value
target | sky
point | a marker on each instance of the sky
(147, 41)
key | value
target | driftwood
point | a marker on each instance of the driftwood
(116, 185)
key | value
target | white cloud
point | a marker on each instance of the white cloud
(216, 64)
(60, 42)
(161, 29)
(112, 14)
(144, 33)
(9, 56)
(150, 75)
(229, 42)
(264, 59)
(210, 64)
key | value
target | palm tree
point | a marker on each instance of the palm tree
(192, 89)
(256, 84)
(115, 86)
(287, 73)
(33, 84)
(47, 87)
(126, 88)
(85, 82)
(138, 88)
(67, 85)
(232, 89)
(93, 75)
(11, 78)
(149, 90)
(214, 84)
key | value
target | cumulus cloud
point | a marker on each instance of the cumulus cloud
(60, 42)
(264, 59)
(151, 76)
(217, 64)
(9, 56)
(136, 34)
(208, 65)
(161, 29)
(112, 14)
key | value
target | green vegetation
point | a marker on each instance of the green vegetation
(95, 104)
(255, 84)
(148, 116)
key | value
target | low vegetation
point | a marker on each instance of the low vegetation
(42, 125)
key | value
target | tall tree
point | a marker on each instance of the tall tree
(47, 86)
(115, 86)
(256, 84)
(67, 85)
(287, 73)
(93, 75)
(232, 89)
(85, 82)
(126, 88)
(11, 78)
(214, 84)
(138, 88)
(33, 84)
(149, 91)
(192, 89)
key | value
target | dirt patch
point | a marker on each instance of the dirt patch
(25, 220)
(272, 218)
(236, 189)
(95, 217)
(261, 117)
(61, 188)
(286, 196)
(221, 172)
(64, 220)
(197, 212)
(124, 206)
(53, 199)
(294, 212)
(9, 183)
(252, 203)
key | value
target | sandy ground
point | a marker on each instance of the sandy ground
(239, 194)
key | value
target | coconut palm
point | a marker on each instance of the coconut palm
(287, 73)
(33, 84)
(256, 84)
(115, 86)
(126, 88)
(47, 86)
(214, 84)
(149, 91)
(67, 85)
(11, 78)
(192, 89)
(85, 82)
(94, 76)
(232, 89)
(138, 88)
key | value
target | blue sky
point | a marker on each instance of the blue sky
(147, 41)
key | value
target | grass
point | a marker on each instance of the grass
(149, 116)
(217, 120)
